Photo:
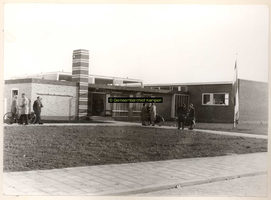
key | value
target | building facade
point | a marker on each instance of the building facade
(79, 95)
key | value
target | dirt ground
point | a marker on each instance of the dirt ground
(41, 147)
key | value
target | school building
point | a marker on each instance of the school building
(78, 95)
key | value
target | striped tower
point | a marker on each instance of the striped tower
(80, 75)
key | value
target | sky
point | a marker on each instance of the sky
(154, 43)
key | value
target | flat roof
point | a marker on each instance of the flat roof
(97, 77)
(98, 86)
(185, 84)
(199, 83)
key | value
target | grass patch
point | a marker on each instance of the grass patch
(259, 129)
(41, 147)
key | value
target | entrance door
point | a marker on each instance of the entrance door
(98, 104)
(178, 100)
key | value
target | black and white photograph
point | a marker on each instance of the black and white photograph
(135, 100)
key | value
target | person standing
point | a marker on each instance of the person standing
(191, 115)
(143, 114)
(37, 109)
(153, 114)
(148, 114)
(181, 113)
(24, 110)
(15, 108)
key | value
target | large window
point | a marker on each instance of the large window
(136, 107)
(220, 99)
(120, 109)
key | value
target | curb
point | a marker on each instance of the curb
(175, 184)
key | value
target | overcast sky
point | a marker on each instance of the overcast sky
(155, 43)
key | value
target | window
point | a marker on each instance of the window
(219, 99)
(166, 88)
(64, 77)
(136, 107)
(14, 92)
(120, 109)
(182, 88)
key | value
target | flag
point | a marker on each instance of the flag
(235, 87)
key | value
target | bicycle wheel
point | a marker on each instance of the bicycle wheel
(32, 118)
(8, 118)
(159, 120)
(175, 122)
(160, 123)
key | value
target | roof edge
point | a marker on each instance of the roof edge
(195, 83)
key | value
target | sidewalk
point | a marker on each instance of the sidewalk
(133, 178)
(250, 186)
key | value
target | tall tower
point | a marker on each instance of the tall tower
(80, 66)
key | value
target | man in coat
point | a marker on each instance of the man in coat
(181, 113)
(191, 116)
(15, 108)
(24, 110)
(37, 109)
(148, 114)
(143, 114)
(153, 113)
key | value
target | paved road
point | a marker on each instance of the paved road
(253, 186)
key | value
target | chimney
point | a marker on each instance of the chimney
(80, 66)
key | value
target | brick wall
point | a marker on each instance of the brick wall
(22, 88)
(59, 101)
(59, 98)
(253, 101)
(211, 113)
(80, 74)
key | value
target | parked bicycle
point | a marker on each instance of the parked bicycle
(187, 122)
(159, 120)
(10, 117)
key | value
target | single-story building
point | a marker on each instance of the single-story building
(213, 102)
(71, 96)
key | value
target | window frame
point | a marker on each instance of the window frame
(117, 105)
(212, 97)
(182, 88)
(14, 89)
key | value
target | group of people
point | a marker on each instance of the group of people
(37, 105)
(186, 117)
(148, 114)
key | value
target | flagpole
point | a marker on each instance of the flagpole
(235, 84)
(233, 93)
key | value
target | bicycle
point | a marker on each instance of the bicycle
(187, 122)
(10, 118)
(159, 120)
